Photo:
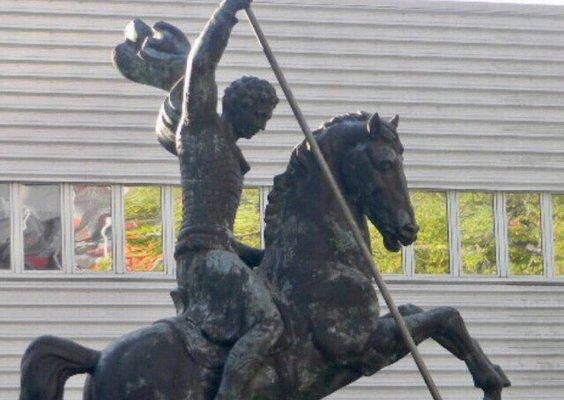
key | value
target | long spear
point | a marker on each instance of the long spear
(343, 204)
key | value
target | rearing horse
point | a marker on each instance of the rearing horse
(316, 274)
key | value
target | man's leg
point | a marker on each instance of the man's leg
(250, 351)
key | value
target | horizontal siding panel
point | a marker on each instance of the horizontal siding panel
(489, 75)
(350, 94)
(518, 325)
(545, 18)
(379, 32)
(60, 75)
(243, 58)
(372, 46)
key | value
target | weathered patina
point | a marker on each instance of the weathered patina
(305, 320)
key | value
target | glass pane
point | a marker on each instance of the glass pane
(143, 229)
(247, 222)
(41, 221)
(178, 210)
(478, 233)
(525, 237)
(558, 205)
(431, 248)
(4, 226)
(92, 220)
(388, 261)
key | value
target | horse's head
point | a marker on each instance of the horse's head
(372, 174)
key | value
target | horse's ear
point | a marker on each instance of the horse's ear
(374, 124)
(395, 121)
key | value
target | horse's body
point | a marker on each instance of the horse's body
(316, 273)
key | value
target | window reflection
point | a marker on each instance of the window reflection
(478, 233)
(5, 226)
(558, 205)
(525, 237)
(431, 248)
(247, 223)
(143, 229)
(388, 261)
(92, 220)
(41, 221)
(178, 210)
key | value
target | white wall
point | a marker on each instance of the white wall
(520, 326)
(479, 87)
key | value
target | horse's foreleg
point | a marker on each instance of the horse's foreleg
(446, 326)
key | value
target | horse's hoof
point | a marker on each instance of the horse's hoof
(504, 379)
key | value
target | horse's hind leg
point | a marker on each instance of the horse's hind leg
(87, 390)
(446, 326)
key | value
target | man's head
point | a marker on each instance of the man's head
(248, 104)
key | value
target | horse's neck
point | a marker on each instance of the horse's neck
(313, 235)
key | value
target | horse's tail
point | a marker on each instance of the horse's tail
(47, 364)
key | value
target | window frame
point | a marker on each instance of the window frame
(169, 237)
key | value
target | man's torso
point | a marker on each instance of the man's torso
(212, 169)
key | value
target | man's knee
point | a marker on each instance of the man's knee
(409, 309)
(266, 333)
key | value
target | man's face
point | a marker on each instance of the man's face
(249, 121)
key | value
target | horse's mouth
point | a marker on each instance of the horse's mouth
(393, 241)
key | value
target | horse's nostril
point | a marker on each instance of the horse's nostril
(410, 229)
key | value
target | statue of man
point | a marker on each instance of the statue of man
(218, 291)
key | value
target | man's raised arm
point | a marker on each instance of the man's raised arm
(200, 88)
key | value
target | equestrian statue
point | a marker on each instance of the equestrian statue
(297, 320)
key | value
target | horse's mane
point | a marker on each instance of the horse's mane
(299, 160)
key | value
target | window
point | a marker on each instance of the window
(92, 221)
(178, 210)
(140, 236)
(41, 221)
(431, 248)
(247, 223)
(143, 229)
(477, 233)
(5, 228)
(525, 236)
(389, 262)
(558, 207)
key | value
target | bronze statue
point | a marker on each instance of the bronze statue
(304, 322)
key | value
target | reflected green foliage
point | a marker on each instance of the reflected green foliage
(247, 223)
(178, 210)
(478, 233)
(525, 237)
(431, 247)
(143, 229)
(389, 262)
(558, 205)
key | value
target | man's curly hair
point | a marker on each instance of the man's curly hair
(246, 92)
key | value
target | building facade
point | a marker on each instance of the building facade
(89, 202)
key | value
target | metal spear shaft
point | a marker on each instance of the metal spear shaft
(343, 204)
